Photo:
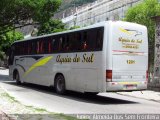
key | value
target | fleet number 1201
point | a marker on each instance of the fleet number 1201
(131, 61)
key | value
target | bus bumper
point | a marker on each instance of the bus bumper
(126, 86)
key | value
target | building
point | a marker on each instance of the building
(101, 10)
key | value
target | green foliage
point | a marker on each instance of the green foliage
(142, 14)
(19, 13)
(25, 12)
(1, 55)
(51, 26)
(75, 27)
(7, 39)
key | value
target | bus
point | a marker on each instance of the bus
(108, 56)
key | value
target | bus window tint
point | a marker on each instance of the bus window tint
(33, 47)
(65, 43)
(60, 44)
(99, 39)
(92, 39)
(73, 41)
(38, 47)
(78, 41)
(53, 45)
(45, 45)
(17, 49)
(11, 55)
(49, 45)
(24, 48)
(85, 41)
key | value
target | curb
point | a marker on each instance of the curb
(158, 101)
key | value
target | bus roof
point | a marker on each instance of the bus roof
(100, 24)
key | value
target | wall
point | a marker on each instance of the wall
(154, 83)
(99, 11)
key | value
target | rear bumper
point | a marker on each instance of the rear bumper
(126, 86)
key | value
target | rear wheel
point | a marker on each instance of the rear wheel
(60, 84)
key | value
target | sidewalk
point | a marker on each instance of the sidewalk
(147, 94)
(2, 68)
(3, 116)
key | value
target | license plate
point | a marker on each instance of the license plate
(130, 87)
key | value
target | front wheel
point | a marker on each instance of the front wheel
(60, 84)
(17, 78)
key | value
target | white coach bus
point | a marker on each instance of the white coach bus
(107, 56)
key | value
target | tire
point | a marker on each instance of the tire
(60, 84)
(17, 78)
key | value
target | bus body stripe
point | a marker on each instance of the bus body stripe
(37, 64)
(125, 83)
(125, 31)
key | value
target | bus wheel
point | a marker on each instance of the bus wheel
(60, 84)
(17, 78)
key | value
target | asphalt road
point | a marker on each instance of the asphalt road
(76, 103)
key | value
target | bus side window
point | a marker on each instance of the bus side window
(55, 44)
(41, 47)
(99, 39)
(28, 48)
(85, 41)
(92, 39)
(33, 47)
(11, 55)
(61, 44)
(20, 48)
(67, 43)
(38, 47)
(49, 45)
(78, 40)
(45, 45)
(16, 49)
(72, 42)
(25, 48)
(23, 53)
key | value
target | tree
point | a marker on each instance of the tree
(74, 27)
(7, 39)
(142, 14)
(19, 13)
(51, 26)
(1, 55)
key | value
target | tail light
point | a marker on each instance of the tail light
(108, 75)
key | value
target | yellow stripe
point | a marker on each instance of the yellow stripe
(39, 63)
(125, 31)
(125, 83)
